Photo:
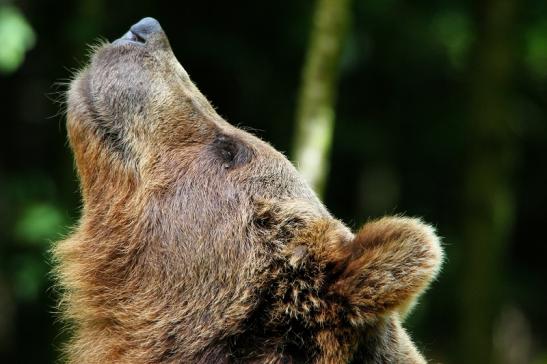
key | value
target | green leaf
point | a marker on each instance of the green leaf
(536, 49)
(451, 29)
(39, 223)
(16, 38)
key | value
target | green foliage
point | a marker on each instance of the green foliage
(39, 223)
(16, 38)
(541, 359)
(536, 49)
(452, 30)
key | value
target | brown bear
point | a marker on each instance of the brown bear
(200, 243)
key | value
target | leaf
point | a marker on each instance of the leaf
(39, 223)
(16, 38)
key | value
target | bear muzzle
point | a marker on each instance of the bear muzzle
(144, 32)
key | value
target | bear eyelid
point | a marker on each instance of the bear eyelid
(231, 151)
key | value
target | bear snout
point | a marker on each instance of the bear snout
(142, 32)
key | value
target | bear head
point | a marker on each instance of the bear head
(199, 242)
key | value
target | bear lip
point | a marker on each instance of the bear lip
(130, 38)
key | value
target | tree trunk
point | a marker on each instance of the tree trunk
(315, 109)
(488, 194)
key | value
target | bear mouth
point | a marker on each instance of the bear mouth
(130, 38)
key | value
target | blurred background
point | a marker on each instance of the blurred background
(441, 112)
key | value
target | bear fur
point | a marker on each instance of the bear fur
(200, 243)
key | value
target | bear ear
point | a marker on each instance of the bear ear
(393, 261)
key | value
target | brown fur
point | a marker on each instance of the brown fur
(198, 242)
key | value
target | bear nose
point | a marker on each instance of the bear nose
(146, 27)
(142, 31)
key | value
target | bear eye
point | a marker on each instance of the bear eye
(230, 151)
